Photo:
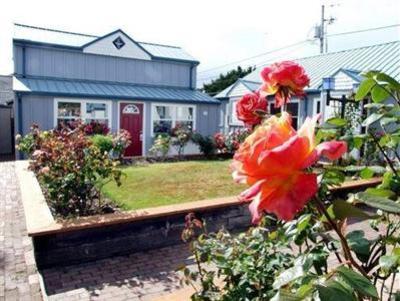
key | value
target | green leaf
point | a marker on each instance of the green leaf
(357, 281)
(366, 173)
(385, 193)
(378, 202)
(379, 93)
(289, 275)
(365, 87)
(303, 222)
(383, 77)
(342, 210)
(286, 295)
(339, 122)
(359, 244)
(333, 290)
(388, 262)
(387, 120)
(374, 117)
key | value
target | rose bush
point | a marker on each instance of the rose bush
(70, 168)
(286, 257)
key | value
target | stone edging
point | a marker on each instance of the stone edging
(40, 221)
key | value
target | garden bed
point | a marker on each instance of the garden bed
(101, 236)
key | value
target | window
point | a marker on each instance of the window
(86, 110)
(235, 120)
(166, 117)
(291, 107)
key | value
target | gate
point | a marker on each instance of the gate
(7, 149)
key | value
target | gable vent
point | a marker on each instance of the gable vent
(119, 43)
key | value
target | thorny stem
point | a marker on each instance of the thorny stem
(343, 241)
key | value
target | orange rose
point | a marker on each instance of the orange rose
(273, 159)
(284, 79)
(247, 106)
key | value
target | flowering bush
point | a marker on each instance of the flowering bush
(96, 128)
(228, 144)
(300, 222)
(181, 135)
(161, 145)
(70, 168)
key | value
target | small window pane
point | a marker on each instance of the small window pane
(69, 110)
(184, 113)
(162, 126)
(96, 110)
(163, 112)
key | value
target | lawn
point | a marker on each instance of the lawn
(170, 183)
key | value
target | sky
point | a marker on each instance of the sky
(216, 32)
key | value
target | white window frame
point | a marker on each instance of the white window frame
(174, 120)
(235, 120)
(83, 103)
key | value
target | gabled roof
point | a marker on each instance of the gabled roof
(247, 85)
(383, 57)
(107, 90)
(34, 34)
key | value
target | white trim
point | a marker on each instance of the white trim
(143, 123)
(164, 104)
(83, 102)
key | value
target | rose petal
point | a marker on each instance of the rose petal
(286, 196)
(332, 149)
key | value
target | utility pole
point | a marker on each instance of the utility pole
(320, 31)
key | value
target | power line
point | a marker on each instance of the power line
(255, 56)
(363, 30)
(292, 45)
(255, 64)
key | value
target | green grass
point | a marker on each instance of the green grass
(170, 183)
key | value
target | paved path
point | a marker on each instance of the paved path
(18, 276)
(139, 276)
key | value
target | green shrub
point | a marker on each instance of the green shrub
(104, 143)
(206, 144)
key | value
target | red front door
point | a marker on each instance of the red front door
(131, 119)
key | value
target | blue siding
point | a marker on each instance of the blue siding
(71, 64)
(36, 109)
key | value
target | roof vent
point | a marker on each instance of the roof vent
(119, 43)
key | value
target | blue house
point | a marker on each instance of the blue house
(144, 88)
(344, 68)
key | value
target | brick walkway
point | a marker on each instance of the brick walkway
(140, 276)
(18, 279)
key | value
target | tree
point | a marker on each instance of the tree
(225, 80)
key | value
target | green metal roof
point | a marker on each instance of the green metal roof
(382, 57)
(115, 91)
(36, 34)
